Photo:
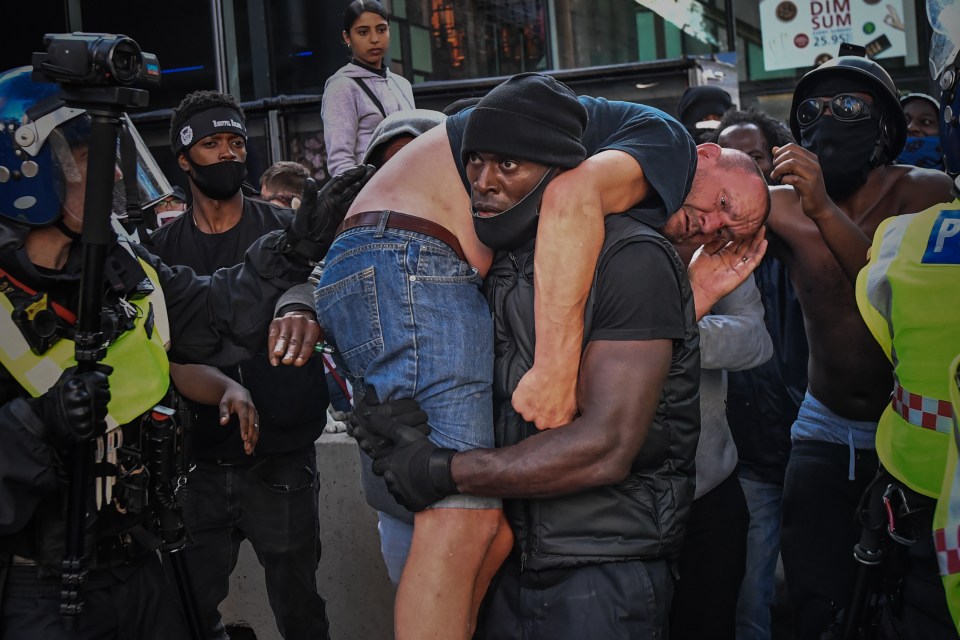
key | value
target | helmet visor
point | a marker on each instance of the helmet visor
(151, 183)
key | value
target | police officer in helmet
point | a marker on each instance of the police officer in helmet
(154, 312)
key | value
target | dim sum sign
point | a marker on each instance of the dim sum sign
(805, 33)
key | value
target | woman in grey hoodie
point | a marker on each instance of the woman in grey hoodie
(362, 92)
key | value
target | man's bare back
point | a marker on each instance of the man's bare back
(422, 181)
(847, 371)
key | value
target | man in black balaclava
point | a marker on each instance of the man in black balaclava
(857, 136)
(839, 184)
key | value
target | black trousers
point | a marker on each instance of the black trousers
(711, 565)
(141, 606)
(613, 601)
(273, 504)
(820, 528)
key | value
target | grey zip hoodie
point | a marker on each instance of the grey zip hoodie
(350, 116)
(732, 338)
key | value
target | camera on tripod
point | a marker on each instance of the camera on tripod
(95, 59)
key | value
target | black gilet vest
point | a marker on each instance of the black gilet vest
(642, 517)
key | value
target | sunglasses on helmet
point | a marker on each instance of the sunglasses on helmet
(844, 107)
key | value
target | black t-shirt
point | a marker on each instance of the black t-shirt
(291, 401)
(660, 145)
(619, 313)
(181, 242)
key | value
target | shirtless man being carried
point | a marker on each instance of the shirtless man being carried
(400, 294)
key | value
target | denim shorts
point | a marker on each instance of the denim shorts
(407, 316)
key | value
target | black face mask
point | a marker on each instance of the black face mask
(845, 151)
(515, 227)
(218, 181)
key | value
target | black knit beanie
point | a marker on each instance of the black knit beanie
(531, 117)
(697, 103)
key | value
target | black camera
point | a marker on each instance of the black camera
(95, 59)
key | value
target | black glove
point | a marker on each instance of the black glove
(417, 473)
(75, 408)
(376, 426)
(315, 224)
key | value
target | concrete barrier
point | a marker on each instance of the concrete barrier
(351, 577)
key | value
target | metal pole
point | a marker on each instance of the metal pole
(274, 135)
(731, 26)
(89, 348)
(552, 35)
(219, 46)
(261, 61)
(75, 17)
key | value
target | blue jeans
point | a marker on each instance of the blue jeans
(758, 590)
(273, 504)
(395, 538)
(408, 318)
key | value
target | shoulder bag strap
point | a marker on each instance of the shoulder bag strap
(370, 94)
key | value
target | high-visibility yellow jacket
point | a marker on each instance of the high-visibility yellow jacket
(946, 519)
(141, 371)
(909, 296)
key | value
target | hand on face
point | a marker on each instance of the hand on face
(718, 268)
(799, 168)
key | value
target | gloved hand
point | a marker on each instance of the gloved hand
(417, 473)
(75, 408)
(376, 427)
(315, 224)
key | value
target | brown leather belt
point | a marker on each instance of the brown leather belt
(406, 222)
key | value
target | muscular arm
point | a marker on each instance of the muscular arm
(597, 448)
(569, 238)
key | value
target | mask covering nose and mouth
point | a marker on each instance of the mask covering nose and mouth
(515, 227)
(922, 151)
(221, 180)
(844, 150)
(218, 181)
(847, 151)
